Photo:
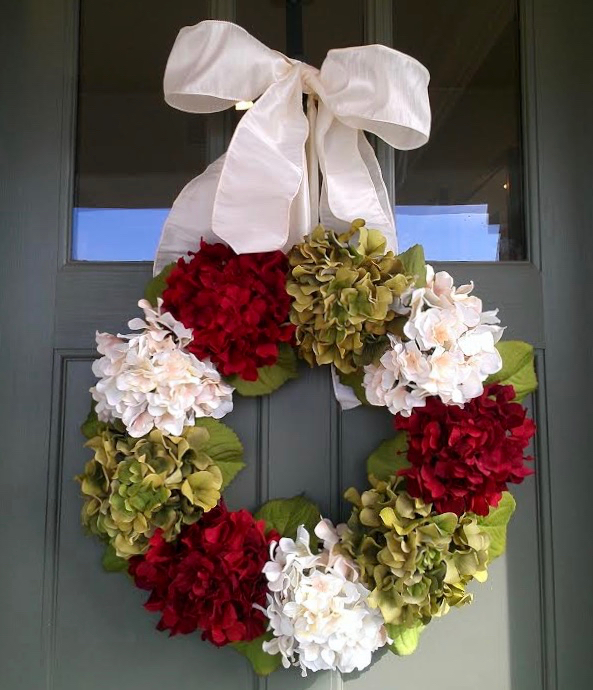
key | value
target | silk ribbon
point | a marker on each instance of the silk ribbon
(263, 193)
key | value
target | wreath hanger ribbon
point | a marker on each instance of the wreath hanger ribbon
(263, 193)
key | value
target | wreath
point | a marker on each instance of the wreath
(284, 586)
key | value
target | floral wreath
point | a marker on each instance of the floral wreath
(285, 586)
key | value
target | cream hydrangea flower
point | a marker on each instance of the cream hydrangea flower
(317, 607)
(148, 380)
(449, 352)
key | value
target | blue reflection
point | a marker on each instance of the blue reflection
(116, 234)
(448, 233)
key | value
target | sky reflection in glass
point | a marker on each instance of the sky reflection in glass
(448, 233)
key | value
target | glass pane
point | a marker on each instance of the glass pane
(331, 24)
(325, 24)
(134, 153)
(460, 195)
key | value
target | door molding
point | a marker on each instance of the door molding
(55, 476)
(561, 106)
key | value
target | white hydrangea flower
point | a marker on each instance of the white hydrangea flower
(148, 380)
(450, 352)
(318, 610)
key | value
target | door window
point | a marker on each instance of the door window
(133, 152)
(460, 195)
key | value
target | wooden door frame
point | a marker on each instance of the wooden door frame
(558, 104)
(39, 39)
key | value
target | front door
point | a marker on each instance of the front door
(93, 160)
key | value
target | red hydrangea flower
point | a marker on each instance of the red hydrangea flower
(236, 304)
(210, 577)
(462, 458)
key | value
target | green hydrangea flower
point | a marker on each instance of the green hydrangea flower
(134, 486)
(417, 563)
(343, 292)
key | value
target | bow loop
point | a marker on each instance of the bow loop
(265, 191)
(380, 90)
(215, 64)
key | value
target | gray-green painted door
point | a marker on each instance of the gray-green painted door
(64, 624)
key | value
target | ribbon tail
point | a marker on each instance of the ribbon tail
(344, 394)
(301, 213)
(263, 171)
(313, 162)
(352, 183)
(190, 218)
(367, 154)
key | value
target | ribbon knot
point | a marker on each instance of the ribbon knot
(263, 194)
(309, 77)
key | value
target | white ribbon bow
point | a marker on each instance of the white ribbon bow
(263, 193)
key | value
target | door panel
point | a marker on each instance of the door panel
(98, 622)
(494, 642)
(95, 620)
(66, 624)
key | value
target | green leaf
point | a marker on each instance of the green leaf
(224, 447)
(397, 325)
(371, 242)
(286, 514)
(91, 426)
(405, 640)
(415, 264)
(113, 563)
(354, 380)
(158, 284)
(389, 457)
(271, 378)
(518, 368)
(495, 525)
(263, 663)
(372, 352)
